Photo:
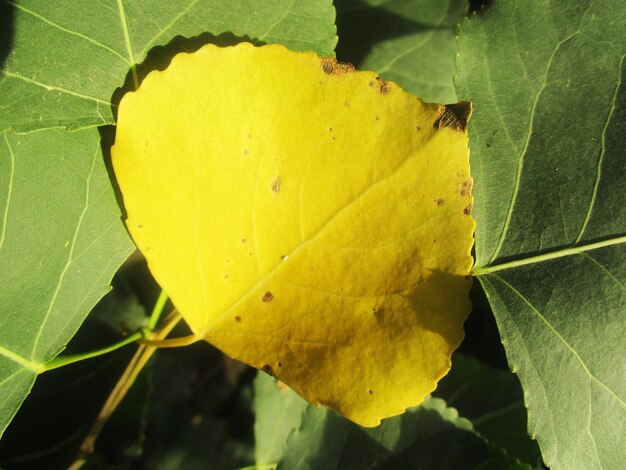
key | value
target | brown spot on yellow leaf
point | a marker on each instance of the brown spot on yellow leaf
(466, 188)
(332, 66)
(440, 202)
(267, 297)
(276, 185)
(383, 86)
(454, 116)
(268, 370)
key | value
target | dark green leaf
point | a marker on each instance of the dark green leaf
(430, 436)
(62, 239)
(69, 57)
(197, 419)
(278, 411)
(547, 141)
(493, 401)
(408, 41)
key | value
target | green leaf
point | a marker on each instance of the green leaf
(408, 41)
(64, 402)
(493, 401)
(62, 239)
(430, 436)
(68, 58)
(278, 411)
(548, 139)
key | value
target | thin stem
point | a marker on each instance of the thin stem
(482, 270)
(137, 363)
(171, 342)
(157, 310)
(61, 361)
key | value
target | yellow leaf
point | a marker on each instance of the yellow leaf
(308, 219)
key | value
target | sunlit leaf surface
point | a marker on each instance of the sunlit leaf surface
(310, 220)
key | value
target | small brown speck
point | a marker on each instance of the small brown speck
(139, 226)
(370, 391)
(268, 370)
(267, 297)
(371, 83)
(466, 188)
(383, 86)
(418, 128)
(467, 210)
(330, 129)
(237, 318)
(440, 202)
(327, 66)
(346, 104)
(244, 240)
(280, 364)
(377, 118)
(276, 185)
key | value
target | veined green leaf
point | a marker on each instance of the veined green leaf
(492, 400)
(69, 57)
(548, 139)
(429, 436)
(62, 239)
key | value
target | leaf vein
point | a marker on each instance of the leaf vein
(56, 88)
(68, 31)
(70, 257)
(522, 156)
(562, 340)
(596, 184)
(5, 217)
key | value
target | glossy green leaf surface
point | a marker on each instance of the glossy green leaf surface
(62, 239)
(408, 41)
(547, 142)
(89, 48)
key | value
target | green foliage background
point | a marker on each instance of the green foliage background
(547, 144)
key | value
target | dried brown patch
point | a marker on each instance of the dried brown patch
(332, 66)
(267, 297)
(468, 210)
(454, 116)
(440, 202)
(268, 369)
(384, 87)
